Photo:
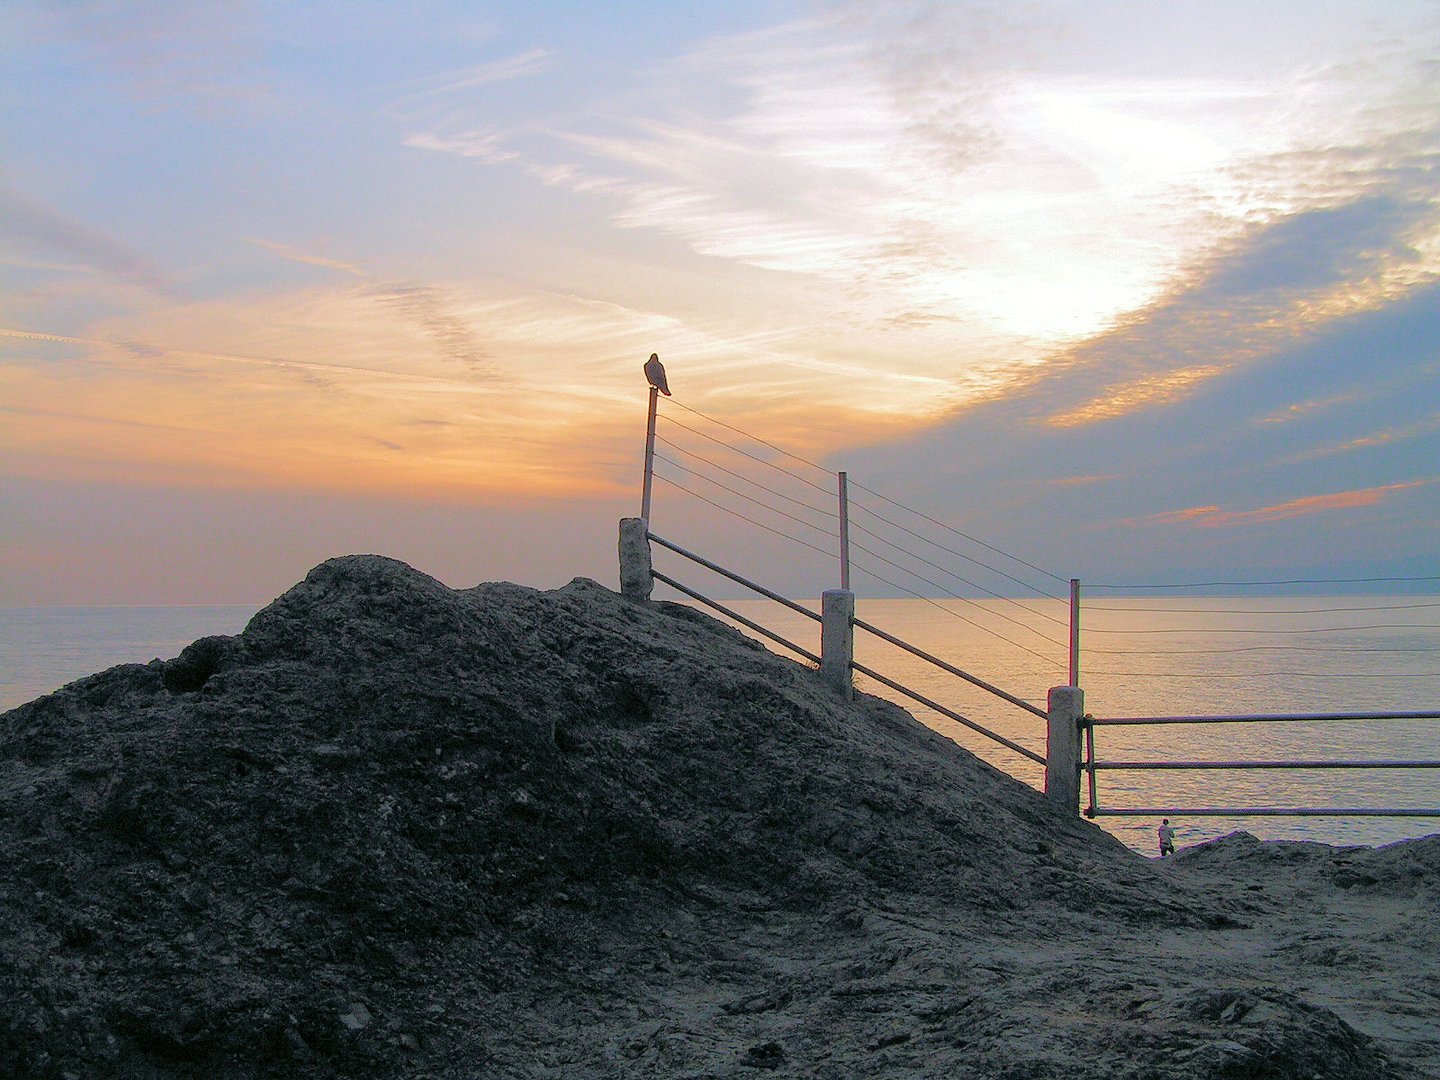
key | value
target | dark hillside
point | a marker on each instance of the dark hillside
(396, 829)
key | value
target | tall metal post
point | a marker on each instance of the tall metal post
(649, 455)
(844, 533)
(1074, 632)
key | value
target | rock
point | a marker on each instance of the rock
(358, 1017)
(519, 825)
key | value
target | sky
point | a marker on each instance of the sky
(1133, 290)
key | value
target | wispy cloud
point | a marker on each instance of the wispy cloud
(942, 166)
(1299, 409)
(1387, 436)
(487, 146)
(285, 251)
(1266, 289)
(522, 65)
(428, 308)
(1082, 481)
(1141, 393)
(34, 226)
(1214, 517)
(168, 49)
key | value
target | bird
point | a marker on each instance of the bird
(655, 373)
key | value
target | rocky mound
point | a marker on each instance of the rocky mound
(1407, 869)
(396, 829)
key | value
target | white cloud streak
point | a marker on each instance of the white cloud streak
(925, 163)
(521, 66)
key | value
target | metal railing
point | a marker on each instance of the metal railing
(900, 688)
(1091, 766)
(1070, 739)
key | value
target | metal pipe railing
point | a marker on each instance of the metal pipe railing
(1259, 811)
(952, 669)
(1257, 718)
(729, 614)
(900, 688)
(1093, 766)
(734, 577)
(943, 711)
(1089, 764)
(1356, 764)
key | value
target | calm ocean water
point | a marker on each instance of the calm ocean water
(1139, 657)
(43, 648)
(1167, 656)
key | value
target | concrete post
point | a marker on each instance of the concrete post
(837, 639)
(1065, 708)
(636, 571)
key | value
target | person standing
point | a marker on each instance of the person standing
(1167, 838)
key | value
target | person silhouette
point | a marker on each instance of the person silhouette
(1167, 838)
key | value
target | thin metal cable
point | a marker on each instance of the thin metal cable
(949, 550)
(753, 438)
(952, 596)
(742, 517)
(892, 502)
(744, 453)
(747, 498)
(1247, 584)
(946, 570)
(957, 532)
(746, 479)
(1330, 650)
(1269, 674)
(1277, 611)
(961, 599)
(954, 614)
(1253, 630)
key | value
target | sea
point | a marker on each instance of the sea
(1147, 656)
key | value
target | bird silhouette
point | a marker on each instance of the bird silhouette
(655, 373)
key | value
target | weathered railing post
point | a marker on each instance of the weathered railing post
(649, 455)
(1074, 631)
(1065, 709)
(837, 639)
(637, 577)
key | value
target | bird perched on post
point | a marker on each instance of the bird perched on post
(655, 373)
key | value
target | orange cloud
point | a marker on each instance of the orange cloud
(1126, 398)
(1080, 481)
(1212, 517)
(1381, 438)
(285, 251)
(456, 390)
(1304, 408)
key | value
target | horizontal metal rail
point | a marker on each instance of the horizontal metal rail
(741, 619)
(1259, 718)
(973, 680)
(733, 577)
(728, 613)
(1258, 811)
(1092, 767)
(943, 711)
(1357, 764)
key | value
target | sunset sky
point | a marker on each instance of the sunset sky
(1134, 290)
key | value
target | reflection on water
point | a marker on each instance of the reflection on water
(1191, 656)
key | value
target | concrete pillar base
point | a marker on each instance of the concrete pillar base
(837, 639)
(636, 571)
(1066, 707)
